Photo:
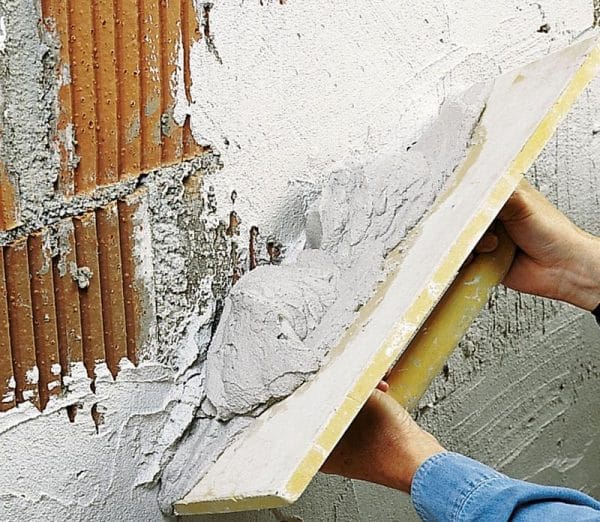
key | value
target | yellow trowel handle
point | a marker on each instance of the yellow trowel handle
(425, 357)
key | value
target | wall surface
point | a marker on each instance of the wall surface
(281, 92)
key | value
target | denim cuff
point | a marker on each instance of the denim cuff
(444, 482)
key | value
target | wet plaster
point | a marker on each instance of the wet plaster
(299, 89)
(281, 321)
(521, 391)
(381, 69)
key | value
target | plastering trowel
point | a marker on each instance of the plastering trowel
(422, 309)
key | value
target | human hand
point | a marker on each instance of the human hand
(383, 445)
(555, 259)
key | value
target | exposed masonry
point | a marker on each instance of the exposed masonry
(92, 217)
(91, 286)
(69, 293)
(96, 114)
(115, 88)
(107, 251)
(8, 203)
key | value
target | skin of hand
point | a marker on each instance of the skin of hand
(555, 258)
(383, 445)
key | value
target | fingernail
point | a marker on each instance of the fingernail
(489, 242)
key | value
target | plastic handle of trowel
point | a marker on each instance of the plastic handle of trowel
(427, 354)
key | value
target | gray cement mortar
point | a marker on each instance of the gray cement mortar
(29, 103)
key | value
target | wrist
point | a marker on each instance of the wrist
(410, 454)
(583, 276)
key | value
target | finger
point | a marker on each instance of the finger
(487, 244)
(517, 206)
(383, 386)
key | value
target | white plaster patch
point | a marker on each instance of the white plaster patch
(32, 376)
(135, 408)
(3, 34)
(402, 334)
(300, 86)
(435, 290)
(182, 107)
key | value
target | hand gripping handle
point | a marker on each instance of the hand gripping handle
(425, 357)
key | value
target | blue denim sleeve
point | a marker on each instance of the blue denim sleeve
(451, 487)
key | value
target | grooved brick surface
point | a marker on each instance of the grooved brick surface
(117, 101)
(68, 294)
(8, 201)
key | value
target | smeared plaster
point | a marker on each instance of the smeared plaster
(280, 322)
(306, 84)
(261, 351)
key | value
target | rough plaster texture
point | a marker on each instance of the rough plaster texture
(298, 87)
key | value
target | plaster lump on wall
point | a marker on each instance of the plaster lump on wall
(279, 322)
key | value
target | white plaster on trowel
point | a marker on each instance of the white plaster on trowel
(279, 322)
(530, 102)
